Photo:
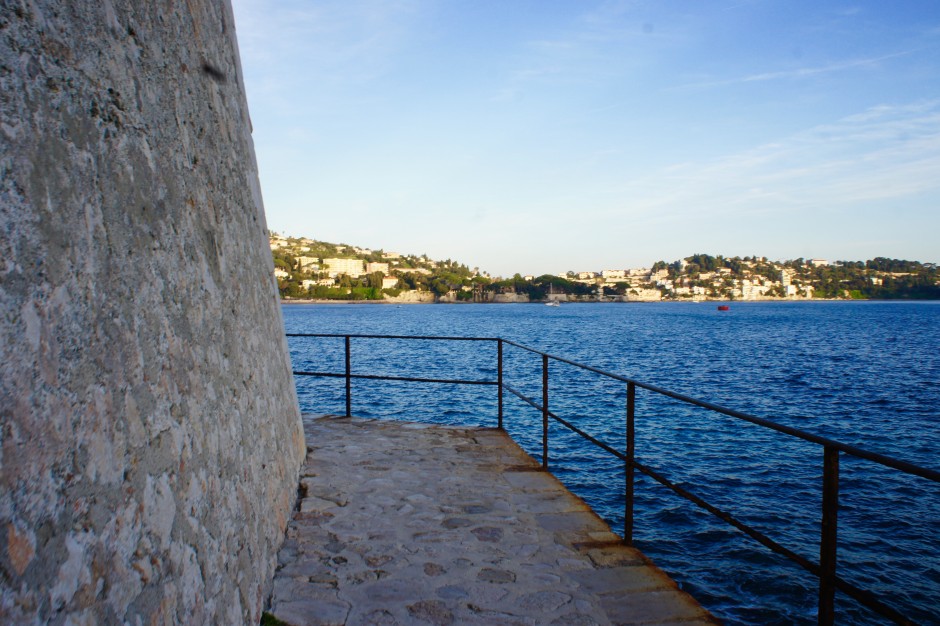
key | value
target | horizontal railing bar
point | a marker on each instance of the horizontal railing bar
(904, 466)
(597, 442)
(868, 599)
(453, 381)
(570, 362)
(617, 453)
(405, 379)
(522, 397)
(862, 596)
(724, 516)
(427, 337)
(326, 374)
(758, 536)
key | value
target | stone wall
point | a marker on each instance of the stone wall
(149, 432)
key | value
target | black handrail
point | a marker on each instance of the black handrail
(825, 570)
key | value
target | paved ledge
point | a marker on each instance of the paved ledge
(403, 523)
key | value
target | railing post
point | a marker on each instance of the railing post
(828, 543)
(544, 411)
(628, 466)
(348, 380)
(499, 379)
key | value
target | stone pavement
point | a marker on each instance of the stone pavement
(404, 523)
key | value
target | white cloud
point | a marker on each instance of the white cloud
(292, 46)
(885, 152)
(796, 73)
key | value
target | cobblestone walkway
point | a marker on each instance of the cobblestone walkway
(402, 523)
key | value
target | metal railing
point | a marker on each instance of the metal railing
(825, 569)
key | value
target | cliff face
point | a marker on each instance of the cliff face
(149, 432)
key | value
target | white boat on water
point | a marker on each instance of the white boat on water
(552, 303)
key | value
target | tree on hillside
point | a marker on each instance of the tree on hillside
(883, 264)
(705, 262)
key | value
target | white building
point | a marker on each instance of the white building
(614, 274)
(660, 275)
(644, 295)
(376, 267)
(308, 262)
(351, 267)
(752, 290)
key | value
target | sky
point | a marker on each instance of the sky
(545, 136)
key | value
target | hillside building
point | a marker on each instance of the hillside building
(308, 263)
(353, 268)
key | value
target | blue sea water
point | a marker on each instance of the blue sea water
(864, 373)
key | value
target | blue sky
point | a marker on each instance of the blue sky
(546, 136)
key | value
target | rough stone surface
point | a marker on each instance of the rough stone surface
(438, 525)
(149, 430)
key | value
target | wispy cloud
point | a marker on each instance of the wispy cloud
(287, 44)
(598, 45)
(738, 5)
(886, 152)
(796, 73)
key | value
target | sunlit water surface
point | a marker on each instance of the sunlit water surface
(862, 373)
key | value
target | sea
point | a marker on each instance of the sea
(862, 373)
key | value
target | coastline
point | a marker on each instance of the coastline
(376, 302)
(570, 302)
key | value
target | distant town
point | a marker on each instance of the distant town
(307, 269)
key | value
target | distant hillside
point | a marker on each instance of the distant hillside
(310, 269)
(306, 268)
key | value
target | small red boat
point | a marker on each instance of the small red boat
(724, 307)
